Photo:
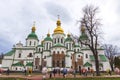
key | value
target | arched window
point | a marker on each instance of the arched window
(63, 63)
(30, 43)
(86, 55)
(62, 40)
(77, 50)
(58, 52)
(19, 56)
(70, 46)
(50, 45)
(57, 63)
(58, 40)
(30, 54)
(34, 43)
(44, 57)
(39, 49)
(62, 52)
(55, 40)
(53, 52)
(67, 45)
(47, 46)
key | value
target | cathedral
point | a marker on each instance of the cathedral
(58, 51)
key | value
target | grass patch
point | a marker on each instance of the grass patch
(90, 78)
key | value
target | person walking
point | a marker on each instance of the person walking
(25, 71)
(64, 72)
(8, 71)
(54, 72)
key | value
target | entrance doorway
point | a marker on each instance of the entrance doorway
(58, 60)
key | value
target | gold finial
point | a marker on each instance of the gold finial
(82, 27)
(58, 16)
(68, 34)
(58, 21)
(33, 28)
(48, 33)
(42, 40)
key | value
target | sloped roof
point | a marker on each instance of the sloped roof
(87, 64)
(103, 58)
(10, 53)
(29, 64)
(92, 57)
(18, 64)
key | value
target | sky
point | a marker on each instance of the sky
(17, 17)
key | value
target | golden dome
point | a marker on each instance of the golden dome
(33, 28)
(82, 27)
(58, 29)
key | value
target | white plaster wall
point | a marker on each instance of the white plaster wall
(24, 54)
(60, 49)
(49, 61)
(60, 36)
(6, 63)
(106, 65)
(68, 62)
(32, 42)
(18, 68)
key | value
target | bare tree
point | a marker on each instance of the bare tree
(110, 52)
(90, 25)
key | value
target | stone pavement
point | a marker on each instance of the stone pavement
(39, 77)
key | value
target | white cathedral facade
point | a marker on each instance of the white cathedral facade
(55, 51)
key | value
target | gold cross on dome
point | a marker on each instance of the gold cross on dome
(58, 16)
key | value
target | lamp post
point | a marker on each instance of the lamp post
(41, 60)
(75, 68)
(33, 60)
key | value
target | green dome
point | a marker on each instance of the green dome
(83, 37)
(68, 38)
(32, 35)
(48, 38)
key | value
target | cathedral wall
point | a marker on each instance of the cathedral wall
(68, 62)
(6, 63)
(31, 42)
(106, 66)
(58, 50)
(49, 61)
(24, 54)
(86, 56)
(38, 55)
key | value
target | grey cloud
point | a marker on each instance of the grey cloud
(54, 9)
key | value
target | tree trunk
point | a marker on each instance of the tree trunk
(97, 66)
(111, 64)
